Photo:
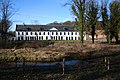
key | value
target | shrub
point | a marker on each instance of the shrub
(24, 44)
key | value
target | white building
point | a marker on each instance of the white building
(46, 32)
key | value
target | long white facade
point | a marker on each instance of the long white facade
(47, 35)
(46, 32)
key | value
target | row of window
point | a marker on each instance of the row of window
(48, 33)
(52, 38)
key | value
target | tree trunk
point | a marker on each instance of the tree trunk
(116, 38)
(93, 33)
(92, 38)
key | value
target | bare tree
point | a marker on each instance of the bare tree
(6, 12)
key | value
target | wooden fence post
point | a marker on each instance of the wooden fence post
(105, 60)
(16, 58)
(15, 62)
(23, 64)
(107, 63)
(108, 66)
(63, 66)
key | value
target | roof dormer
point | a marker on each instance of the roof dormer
(53, 29)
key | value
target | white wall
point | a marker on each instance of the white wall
(50, 35)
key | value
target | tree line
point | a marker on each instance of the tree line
(88, 12)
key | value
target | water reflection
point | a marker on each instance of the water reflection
(69, 62)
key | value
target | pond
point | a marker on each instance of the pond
(68, 62)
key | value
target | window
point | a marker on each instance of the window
(76, 33)
(18, 38)
(26, 33)
(75, 38)
(21, 38)
(56, 33)
(60, 33)
(18, 33)
(31, 38)
(26, 38)
(56, 38)
(61, 38)
(71, 38)
(52, 33)
(31, 33)
(51, 38)
(39, 33)
(48, 33)
(37, 37)
(22, 33)
(35, 33)
(44, 33)
(66, 38)
(64, 33)
(71, 33)
(68, 33)
(46, 37)
(42, 38)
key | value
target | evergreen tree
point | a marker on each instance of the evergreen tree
(78, 9)
(105, 21)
